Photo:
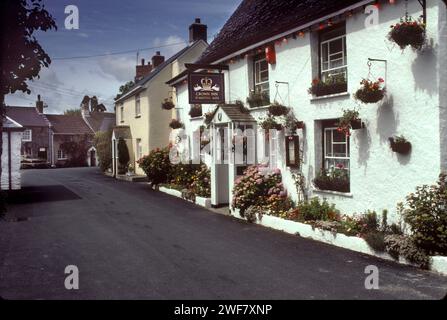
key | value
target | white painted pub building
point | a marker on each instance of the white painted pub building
(276, 49)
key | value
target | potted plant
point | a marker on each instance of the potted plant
(408, 32)
(167, 104)
(175, 124)
(130, 170)
(332, 85)
(258, 99)
(278, 110)
(195, 111)
(270, 123)
(400, 144)
(371, 91)
(349, 120)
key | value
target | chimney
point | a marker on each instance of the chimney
(39, 104)
(142, 70)
(198, 31)
(157, 59)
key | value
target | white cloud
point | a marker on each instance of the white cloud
(170, 45)
(120, 68)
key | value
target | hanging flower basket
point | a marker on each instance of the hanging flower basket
(278, 110)
(400, 145)
(370, 92)
(349, 120)
(167, 104)
(408, 32)
(270, 123)
(175, 124)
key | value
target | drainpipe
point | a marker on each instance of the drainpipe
(9, 161)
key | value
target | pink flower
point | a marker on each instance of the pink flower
(340, 166)
(259, 181)
(276, 171)
(381, 80)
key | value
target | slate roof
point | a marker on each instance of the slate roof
(234, 112)
(101, 121)
(258, 20)
(68, 124)
(26, 116)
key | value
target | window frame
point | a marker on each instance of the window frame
(139, 147)
(257, 60)
(30, 139)
(63, 155)
(344, 53)
(325, 164)
(137, 106)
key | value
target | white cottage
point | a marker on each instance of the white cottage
(276, 49)
(12, 142)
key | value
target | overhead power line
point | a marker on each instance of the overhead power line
(118, 52)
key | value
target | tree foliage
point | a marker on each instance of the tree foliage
(72, 112)
(124, 89)
(76, 151)
(103, 145)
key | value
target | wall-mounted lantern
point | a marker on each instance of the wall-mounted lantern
(293, 151)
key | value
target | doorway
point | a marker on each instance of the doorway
(92, 158)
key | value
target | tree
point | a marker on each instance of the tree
(76, 151)
(72, 112)
(22, 57)
(123, 155)
(124, 89)
(103, 145)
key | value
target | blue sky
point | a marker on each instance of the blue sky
(111, 26)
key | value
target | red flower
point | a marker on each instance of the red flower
(381, 80)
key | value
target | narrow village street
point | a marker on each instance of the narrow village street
(131, 242)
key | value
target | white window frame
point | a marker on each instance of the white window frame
(27, 135)
(327, 72)
(139, 148)
(329, 161)
(61, 155)
(137, 105)
(122, 113)
(257, 62)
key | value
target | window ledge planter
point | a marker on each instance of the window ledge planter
(319, 88)
(331, 96)
(438, 263)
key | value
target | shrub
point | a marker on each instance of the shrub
(103, 144)
(398, 245)
(376, 240)
(156, 165)
(182, 174)
(76, 152)
(201, 185)
(426, 215)
(256, 188)
(314, 210)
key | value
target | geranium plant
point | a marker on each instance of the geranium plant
(408, 32)
(349, 120)
(167, 104)
(371, 91)
(332, 85)
(400, 144)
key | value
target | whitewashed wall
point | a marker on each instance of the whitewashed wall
(16, 142)
(379, 178)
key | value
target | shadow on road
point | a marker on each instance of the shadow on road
(38, 194)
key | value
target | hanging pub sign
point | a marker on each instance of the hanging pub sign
(206, 88)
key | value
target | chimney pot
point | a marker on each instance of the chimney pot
(197, 20)
(142, 62)
(39, 104)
